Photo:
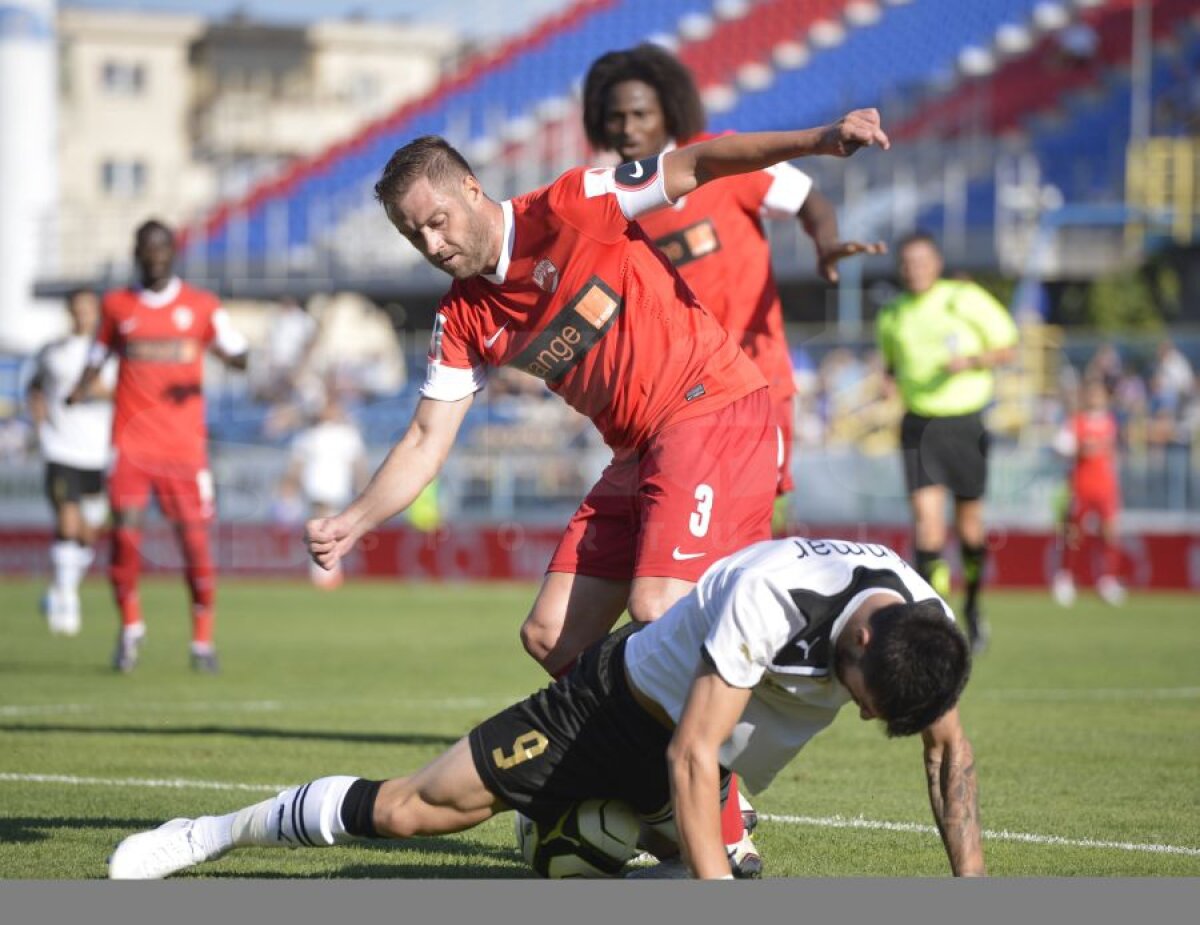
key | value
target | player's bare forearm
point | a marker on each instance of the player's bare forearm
(696, 800)
(954, 798)
(411, 465)
(820, 221)
(35, 401)
(691, 166)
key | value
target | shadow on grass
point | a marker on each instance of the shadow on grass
(458, 859)
(24, 829)
(250, 732)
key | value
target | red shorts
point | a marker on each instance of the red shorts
(697, 491)
(785, 423)
(1102, 501)
(184, 490)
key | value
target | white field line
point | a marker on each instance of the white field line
(828, 822)
(1029, 695)
(246, 706)
(1035, 695)
(841, 822)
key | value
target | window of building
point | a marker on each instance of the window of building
(124, 78)
(123, 179)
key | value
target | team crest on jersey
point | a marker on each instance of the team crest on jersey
(127, 325)
(545, 275)
(182, 316)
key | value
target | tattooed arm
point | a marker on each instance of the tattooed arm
(953, 794)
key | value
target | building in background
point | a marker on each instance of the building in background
(165, 113)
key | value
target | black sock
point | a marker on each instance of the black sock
(934, 569)
(358, 808)
(974, 558)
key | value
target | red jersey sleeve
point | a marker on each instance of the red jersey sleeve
(601, 201)
(456, 364)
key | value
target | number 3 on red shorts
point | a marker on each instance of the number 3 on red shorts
(698, 522)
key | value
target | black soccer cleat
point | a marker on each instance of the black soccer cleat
(205, 663)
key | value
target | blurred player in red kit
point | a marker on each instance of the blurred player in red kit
(641, 101)
(1089, 439)
(160, 330)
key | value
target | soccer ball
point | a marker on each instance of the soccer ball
(591, 839)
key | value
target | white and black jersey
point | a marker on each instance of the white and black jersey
(78, 436)
(767, 618)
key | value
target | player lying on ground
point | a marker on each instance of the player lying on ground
(737, 676)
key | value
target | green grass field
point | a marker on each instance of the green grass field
(1086, 726)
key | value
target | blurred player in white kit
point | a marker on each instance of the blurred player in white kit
(76, 443)
(328, 467)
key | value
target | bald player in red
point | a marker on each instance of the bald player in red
(641, 101)
(160, 330)
(564, 285)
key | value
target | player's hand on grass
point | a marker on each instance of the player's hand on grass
(328, 540)
(827, 260)
(853, 131)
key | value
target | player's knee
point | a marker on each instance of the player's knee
(648, 606)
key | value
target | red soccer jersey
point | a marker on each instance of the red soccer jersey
(160, 338)
(716, 240)
(1095, 434)
(582, 299)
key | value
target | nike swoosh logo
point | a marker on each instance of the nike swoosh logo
(684, 556)
(488, 341)
(636, 173)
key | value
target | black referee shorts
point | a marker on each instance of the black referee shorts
(950, 451)
(582, 737)
(66, 484)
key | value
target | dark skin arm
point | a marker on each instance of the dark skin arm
(820, 222)
(687, 168)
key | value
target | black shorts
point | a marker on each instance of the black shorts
(66, 484)
(582, 737)
(950, 451)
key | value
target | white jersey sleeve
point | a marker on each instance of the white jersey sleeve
(228, 339)
(788, 191)
(446, 382)
(639, 186)
(753, 622)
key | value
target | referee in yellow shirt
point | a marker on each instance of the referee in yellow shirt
(940, 341)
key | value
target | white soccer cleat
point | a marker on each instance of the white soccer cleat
(1063, 589)
(1110, 590)
(152, 855)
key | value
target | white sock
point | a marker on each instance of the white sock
(62, 560)
(306, 816)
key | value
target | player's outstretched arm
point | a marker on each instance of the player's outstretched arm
(691, 166)
(954, 794)
(820, 222)
(408, 468)
(712, 710)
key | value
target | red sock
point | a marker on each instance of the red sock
(123, 571)
(201, 579)
(732, 829)
(1112, 559)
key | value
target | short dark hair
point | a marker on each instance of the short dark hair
(429, 156)
(919, 236)
(677, 94)
(915, 665)
(152, 225)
